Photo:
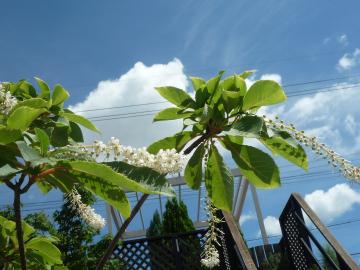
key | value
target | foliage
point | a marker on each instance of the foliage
(74, 234)
(155, 228)
(41, 251)
(224, 111)
(332, 254)
(41, 223)
(176, 218)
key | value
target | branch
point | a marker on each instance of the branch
(27, 186)
(196, 143)
(46, 172)
(9, 184)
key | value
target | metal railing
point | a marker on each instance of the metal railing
(299, 242)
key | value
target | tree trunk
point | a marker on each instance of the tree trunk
(122, 229)
(19, 230)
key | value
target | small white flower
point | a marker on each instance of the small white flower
(7, 101)
(85, 211)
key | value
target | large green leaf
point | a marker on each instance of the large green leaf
(295, 154)
(197, 83)
(48, 251)
(247, 73)
(9, 135)
(234, 84)
(176, 96)
(60, 135)
(80, 120)
(31, 155)
(22, 117)
(213, 83)
(258, 167)
(250, 126)
(93, 169)
(262, 93)
(36, 103)
(75, 132)
(219, 181)
(171, 114)
(44, 140)
(147, 177)
(231, 99)
(178, 141)
(59, 95)
(8, 171)
(107, 190)
(45, 90)
(193, 170)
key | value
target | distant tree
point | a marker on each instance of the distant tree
(41, 223)
(331, 253)
(155, 228)
(74, 233)
(176, 218)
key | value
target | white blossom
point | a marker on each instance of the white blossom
(336, 160)
(7, 101)
(210, 255)
(87, 213)
(166, 161)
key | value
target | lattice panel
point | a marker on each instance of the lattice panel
(294, 246)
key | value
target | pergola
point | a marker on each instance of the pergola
(115, 220)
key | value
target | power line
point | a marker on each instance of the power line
(160, 102)
(147, 113)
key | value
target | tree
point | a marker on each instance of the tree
(155, 228)
(39, 145)
(176, 218)
(41, 223)
(74, 233)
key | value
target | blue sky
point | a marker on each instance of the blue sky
(82, 43)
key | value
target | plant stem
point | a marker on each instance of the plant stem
(196, 143)
(122, 229)
(19, 230)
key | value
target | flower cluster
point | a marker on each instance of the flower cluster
(85, 211)
(210, 255)
(166, 161)
(7, 101)
(337, 161)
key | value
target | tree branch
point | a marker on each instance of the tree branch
(122, 229)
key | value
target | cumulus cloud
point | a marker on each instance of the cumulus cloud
(134, 87)
(343, 40)
(333, 203)
(246, 217)
(349, 60)
(272, 76)
(272, 226)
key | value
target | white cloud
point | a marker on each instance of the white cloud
(273, 76)
(134, 87)
(350, 124)
(349, 60)
(334, 202)
(246, 217)
(343, 40)
(272, 226)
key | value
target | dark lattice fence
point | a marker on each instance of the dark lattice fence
(180, 251)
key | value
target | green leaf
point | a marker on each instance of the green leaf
(145, 176)
(231, 99)
(80, 120)
(75, 132)
(43, 139)
(107, 190)
(93, 169)
(193, 170)
(32, 155)
(45, 90)
(262, 93)
(8, 171)
(219, 181)
(213, 83)
(9, 135)
(60, 135)
(247, 73)
(294, 154)
(234, 84)
(44, 186)
(45, 248)
(250, 126)
(59, 95)
(36, 103)
(22, 117)
(258, 167)
(198, 83)
(171, 114)
(178, 142)
(176, 96)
